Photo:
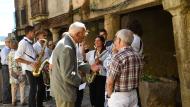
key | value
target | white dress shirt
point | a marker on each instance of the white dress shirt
(38, 48)
(4, 55)
(79, 52)
(26, 51)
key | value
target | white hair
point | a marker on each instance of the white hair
(76, 27)
(126, 36)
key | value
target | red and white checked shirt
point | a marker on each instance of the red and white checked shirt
(125, 70)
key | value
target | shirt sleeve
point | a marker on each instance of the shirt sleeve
(3, 56)
(114, 68)
(20, 51)
(37, 48)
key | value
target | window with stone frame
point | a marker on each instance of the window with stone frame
(38, 7)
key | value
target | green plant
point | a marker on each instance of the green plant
(149, 78)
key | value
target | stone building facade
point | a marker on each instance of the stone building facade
(166, 28)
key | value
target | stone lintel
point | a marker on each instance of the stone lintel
(176, 6)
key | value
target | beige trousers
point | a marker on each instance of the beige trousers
(61, 103)
(123, 99)
(14, 88)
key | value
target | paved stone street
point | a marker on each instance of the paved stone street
(51, 103)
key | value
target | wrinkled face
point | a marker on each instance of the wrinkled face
(80, 36)
(117, 42)
(98, 43)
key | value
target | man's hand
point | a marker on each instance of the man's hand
(50, 66)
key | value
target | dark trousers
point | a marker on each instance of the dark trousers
(37, 90)
(6, 85)
(97, 91)
(78, 102)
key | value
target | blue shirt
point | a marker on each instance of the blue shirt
(4, 55)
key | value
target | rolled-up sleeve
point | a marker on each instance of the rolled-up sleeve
(114, 68)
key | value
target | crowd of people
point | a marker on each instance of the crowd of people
(19, 59)
(114, 66)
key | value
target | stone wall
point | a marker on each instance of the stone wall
(58, 7)
(158, 94)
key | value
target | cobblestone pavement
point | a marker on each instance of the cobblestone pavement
(51, 103)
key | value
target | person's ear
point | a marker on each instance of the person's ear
(119, 40)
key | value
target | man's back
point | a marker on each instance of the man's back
(126, 67)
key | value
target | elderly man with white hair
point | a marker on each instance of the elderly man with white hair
(125, 69)
(65, 78)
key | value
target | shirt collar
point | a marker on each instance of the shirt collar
(28, 40)
(124, 48)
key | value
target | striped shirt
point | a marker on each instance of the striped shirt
(125, 70)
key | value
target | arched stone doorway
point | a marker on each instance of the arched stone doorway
(159, 46)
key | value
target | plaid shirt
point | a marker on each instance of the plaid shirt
(125, 69)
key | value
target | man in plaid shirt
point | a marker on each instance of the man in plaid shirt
(125, 69)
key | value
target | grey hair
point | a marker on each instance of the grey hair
(76, 27)
(13, 41)
(126, 36)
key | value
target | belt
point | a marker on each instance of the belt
(125, 91)
(5, 65)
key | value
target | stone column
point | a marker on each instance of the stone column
(180, 10)
(111, 24)
(55, 33)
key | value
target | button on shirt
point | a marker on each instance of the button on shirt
(4, 55)
(125, 69)
(38, 48)
(26, 51)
